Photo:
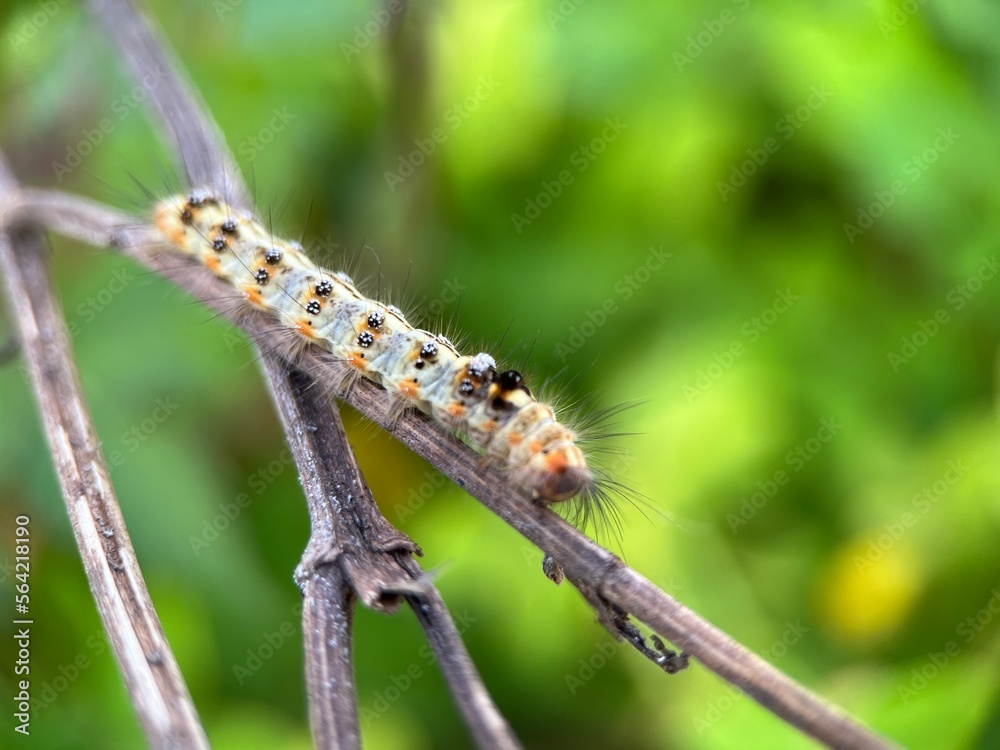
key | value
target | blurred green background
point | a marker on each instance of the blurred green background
(774, 224)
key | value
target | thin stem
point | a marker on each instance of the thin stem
(152, 678)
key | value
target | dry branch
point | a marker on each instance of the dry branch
(354, 550)
(152, 678)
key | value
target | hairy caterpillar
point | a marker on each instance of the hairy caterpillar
(368, 338)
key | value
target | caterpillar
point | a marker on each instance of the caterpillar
(367, 338)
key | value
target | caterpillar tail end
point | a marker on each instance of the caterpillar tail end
(168, 218)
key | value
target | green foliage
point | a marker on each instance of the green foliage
(775, 225)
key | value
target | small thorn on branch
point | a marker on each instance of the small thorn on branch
(552, 570)
(667, 659)
(617, 622)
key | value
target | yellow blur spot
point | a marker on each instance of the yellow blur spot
(868, 589)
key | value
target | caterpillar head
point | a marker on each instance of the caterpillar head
(551, 464)
(559, 472)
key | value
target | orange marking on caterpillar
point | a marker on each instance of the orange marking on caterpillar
(409, 389)
(253, 296)
(304, 328)
(165, 222)
(556, 462)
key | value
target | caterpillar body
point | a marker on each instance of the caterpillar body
(466, 394)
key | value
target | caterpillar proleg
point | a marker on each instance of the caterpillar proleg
(367, 338)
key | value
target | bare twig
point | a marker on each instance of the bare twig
(604, 580)
(152, 677)
(353, 545)
(464, 683)
(328, 617)
(190, 127)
